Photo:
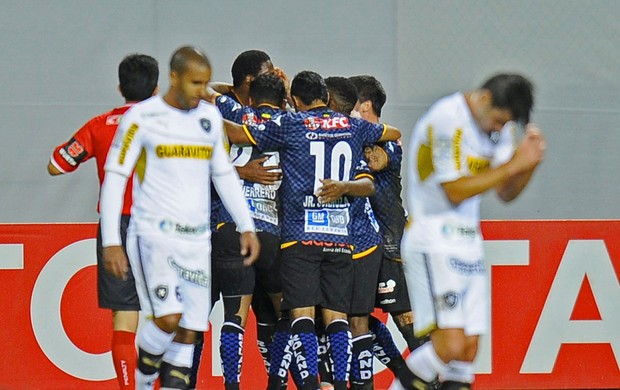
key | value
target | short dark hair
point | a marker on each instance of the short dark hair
(309, 86)
(183, 55)
(342, 93)
(247, 63)
(268, 88)
(369, 88)
(137, 76)
(513, 92)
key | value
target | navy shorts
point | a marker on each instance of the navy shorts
(392, 295)
(365, 276)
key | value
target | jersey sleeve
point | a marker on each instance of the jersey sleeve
(506, 144)
(271, 134)
(229, 108)
(126, 146)
(394, 152)
(372, 132)
(68, 156)
(445, 140)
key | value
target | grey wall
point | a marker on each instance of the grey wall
(58, 64)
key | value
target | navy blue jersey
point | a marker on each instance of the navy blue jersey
(313, 145)
(262, 199)
(387, 202)
(364, 227)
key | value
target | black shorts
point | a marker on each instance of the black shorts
(365, 276)
(392, 295)
(232, 277)
(317, 275)
(114, 293)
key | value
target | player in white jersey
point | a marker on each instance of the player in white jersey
(176, 145)
(462, 147)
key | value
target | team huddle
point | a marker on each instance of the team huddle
(284, 197)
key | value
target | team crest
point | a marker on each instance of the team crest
(206, 124)
(450, 299)
(161, 292)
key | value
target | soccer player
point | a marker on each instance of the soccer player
(315, 144)
(384, 160)
(237, 283)
(461, 148)
(137, 74)
(176, 143)
(367, 253)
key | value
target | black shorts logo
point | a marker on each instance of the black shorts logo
(161, 292)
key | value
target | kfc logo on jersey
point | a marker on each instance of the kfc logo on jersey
(338, 122)
(312, 123)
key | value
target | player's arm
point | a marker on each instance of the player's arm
(508, 179)
(111, 204)
(531, 149)
(256, 172)
(335, 189)
(390, 133)
(237, 134)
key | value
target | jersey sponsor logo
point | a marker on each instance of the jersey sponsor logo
(387, 301)
(184, 151)
(131, 132)
(205, 124)
(113, 120)
(386, 287)
(456, 148)
(451, 231)
(169, 227)
(198, 277)
(337, 122)
(465, 267)
(73, 152)
(477, 165)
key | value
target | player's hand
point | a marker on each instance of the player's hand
(331, 190)
(376, 157)
(255, 172)
(115, 261)
(531, 151)
(250, 248)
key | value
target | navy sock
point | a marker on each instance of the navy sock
(339, 347)
(384, 347)
(198, 346)
(305, 348)
(231, 346)
(361, 361)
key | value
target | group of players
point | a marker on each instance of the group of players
(310, 237)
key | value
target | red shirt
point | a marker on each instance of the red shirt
(93, 140)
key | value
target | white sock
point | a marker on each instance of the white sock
(459, 371)
(180, 355)
(425, 363)
(152, 339)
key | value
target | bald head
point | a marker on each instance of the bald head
(186, 54)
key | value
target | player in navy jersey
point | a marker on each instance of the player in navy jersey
(385, 161)
(367, 253)
(315, 144)
(237, 282)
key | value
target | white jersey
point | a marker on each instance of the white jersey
(175, 154)
(447, 144)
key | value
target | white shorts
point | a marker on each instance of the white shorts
(447, 291)
(173, 275)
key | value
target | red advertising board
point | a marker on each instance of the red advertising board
(555, 308)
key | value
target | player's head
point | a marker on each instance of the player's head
(308, 87)
(267, 88)
(342, 94)
(370, 95)
(503, 97)
(190, 73)
(137, 77)
(248, 65)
